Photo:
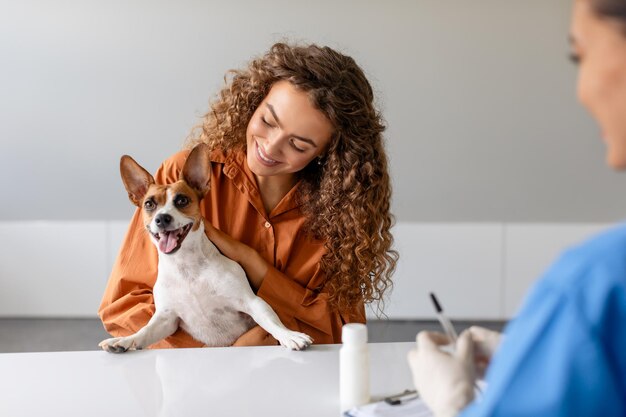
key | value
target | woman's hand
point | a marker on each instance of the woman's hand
(444, 380)
(229, 247)
(253, 264)
(486, 342)
(256, 336)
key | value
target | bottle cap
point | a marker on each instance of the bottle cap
(354, 333)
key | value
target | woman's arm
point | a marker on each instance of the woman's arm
(249, 259)
(298, 307)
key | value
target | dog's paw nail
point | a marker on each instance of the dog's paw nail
(116, 348)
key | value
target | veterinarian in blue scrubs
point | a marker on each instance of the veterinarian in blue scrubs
(565, 353)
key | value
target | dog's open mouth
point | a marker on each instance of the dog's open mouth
(169, 241)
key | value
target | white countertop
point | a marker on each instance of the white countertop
(245, 381)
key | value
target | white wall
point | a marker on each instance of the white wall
(485, 138)
(477, 270)
(478, 96)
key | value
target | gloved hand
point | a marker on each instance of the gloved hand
(486, 342)
(445, 381)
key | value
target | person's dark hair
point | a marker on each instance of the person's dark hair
(346, 196)
(615, 9)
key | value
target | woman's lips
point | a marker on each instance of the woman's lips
(263, 158)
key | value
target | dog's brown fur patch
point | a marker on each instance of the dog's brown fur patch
(159, 194)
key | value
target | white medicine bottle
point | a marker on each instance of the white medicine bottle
(354, 367)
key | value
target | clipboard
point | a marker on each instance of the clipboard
(405, 404)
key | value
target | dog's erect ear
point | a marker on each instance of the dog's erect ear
(197, 170)
(136, 179)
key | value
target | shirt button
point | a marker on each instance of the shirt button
(268, 225)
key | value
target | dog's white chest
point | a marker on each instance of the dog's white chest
(207, 299)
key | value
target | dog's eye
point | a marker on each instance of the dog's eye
(149, 205)
(181, 201)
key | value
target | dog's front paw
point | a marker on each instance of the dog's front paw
(119, 344)
(295, 340)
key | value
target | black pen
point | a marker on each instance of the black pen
(448, 329)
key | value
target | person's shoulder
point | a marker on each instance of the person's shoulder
(177, 160)
(602, 256)
(175, 163)
(606, 246)
(582, 281)
(591, 277)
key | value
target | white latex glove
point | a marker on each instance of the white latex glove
(445, 381)
(486, 342)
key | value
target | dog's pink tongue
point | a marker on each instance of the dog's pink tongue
(168, 242)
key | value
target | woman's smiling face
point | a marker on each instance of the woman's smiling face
(286, 132)
(599, 46)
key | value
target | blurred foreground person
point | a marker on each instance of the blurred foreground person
(565, 353)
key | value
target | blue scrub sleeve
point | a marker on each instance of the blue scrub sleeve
(557, 357)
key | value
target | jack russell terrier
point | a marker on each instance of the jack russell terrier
(197, 288)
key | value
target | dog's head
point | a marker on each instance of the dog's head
(170, 211)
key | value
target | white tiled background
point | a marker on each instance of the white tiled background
(478, 270)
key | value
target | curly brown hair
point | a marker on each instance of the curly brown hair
(346, 199)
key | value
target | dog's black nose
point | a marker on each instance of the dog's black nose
(163, 220)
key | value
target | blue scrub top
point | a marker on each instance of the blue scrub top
(565, 353)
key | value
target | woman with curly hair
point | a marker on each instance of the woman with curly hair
(300, 196)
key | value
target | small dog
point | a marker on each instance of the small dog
(197, 288)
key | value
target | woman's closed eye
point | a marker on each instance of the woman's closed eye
(292, 141)
(265, 122)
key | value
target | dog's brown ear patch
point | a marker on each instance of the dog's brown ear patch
(197, 170)
(135, 178)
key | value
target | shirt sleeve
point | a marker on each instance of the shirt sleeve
(306, 310)
(555, 360)
(128, 303)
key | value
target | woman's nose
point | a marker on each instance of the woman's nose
(273, 144)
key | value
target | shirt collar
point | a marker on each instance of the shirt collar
(236, 168)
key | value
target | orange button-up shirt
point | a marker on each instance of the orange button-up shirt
(291, 286)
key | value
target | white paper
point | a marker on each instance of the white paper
(412, 408)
